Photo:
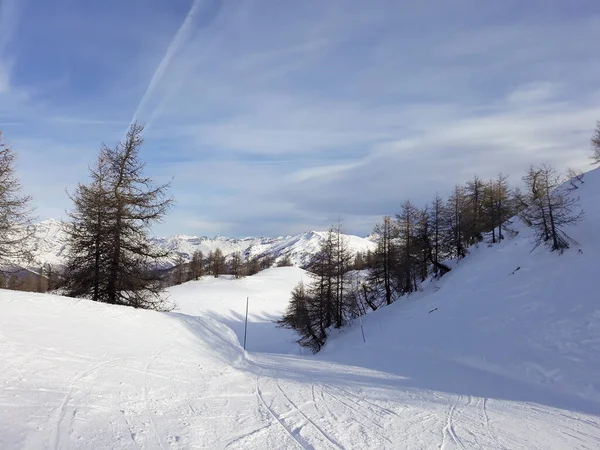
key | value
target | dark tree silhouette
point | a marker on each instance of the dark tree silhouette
(111, 258)
(384, 261)
(196, 265)
(551, 208)
(596, 144)
(15, 212)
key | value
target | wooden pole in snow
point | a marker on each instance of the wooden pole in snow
(246, 324)
(362, 329)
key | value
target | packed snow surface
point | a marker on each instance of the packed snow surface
(503, 352)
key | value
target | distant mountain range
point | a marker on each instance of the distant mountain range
(49, 245)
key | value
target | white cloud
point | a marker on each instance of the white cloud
(273, 119)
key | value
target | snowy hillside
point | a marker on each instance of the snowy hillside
(48, 245)
(501, 353)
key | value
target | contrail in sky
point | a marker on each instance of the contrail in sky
(8, 20)
(180, 36)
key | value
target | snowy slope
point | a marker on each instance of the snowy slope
(224, 300)
(509, 359)
(49, 245)
(84, 375)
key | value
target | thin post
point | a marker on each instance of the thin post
(246, 324)
(362, 329)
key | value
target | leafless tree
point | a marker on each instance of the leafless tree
(473, 213)
(384, 262)
(111, 257)
(285, 261)
(596, 144)
(407, 271)
(236, 265)
(575, 178)
(429, 234)
(196, 265)
(217, 263)
(455, 224)
(15, 213)
(180, 270)
(253, 265)
(551, 208)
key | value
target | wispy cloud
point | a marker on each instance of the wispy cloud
(183, 33)
(8, 23)
(285, 116)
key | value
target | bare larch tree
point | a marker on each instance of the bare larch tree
(15, 213)
(551, 207)
(596, 144)
(109, 230)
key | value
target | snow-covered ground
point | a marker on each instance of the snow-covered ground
(509, 359)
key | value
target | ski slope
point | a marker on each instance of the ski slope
(510, 359)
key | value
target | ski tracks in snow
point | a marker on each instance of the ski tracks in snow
(149, 411)
(275, 416)
(62, 409)
(317, 427)
(323, 415)
(449, 431)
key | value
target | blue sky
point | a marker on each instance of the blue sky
(275, 117)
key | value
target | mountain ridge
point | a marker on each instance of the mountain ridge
(49, 245)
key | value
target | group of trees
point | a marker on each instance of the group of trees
(417, 243)
(215, 263)
(111, 258)
(325, 301)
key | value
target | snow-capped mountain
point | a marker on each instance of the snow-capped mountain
(49, 245)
